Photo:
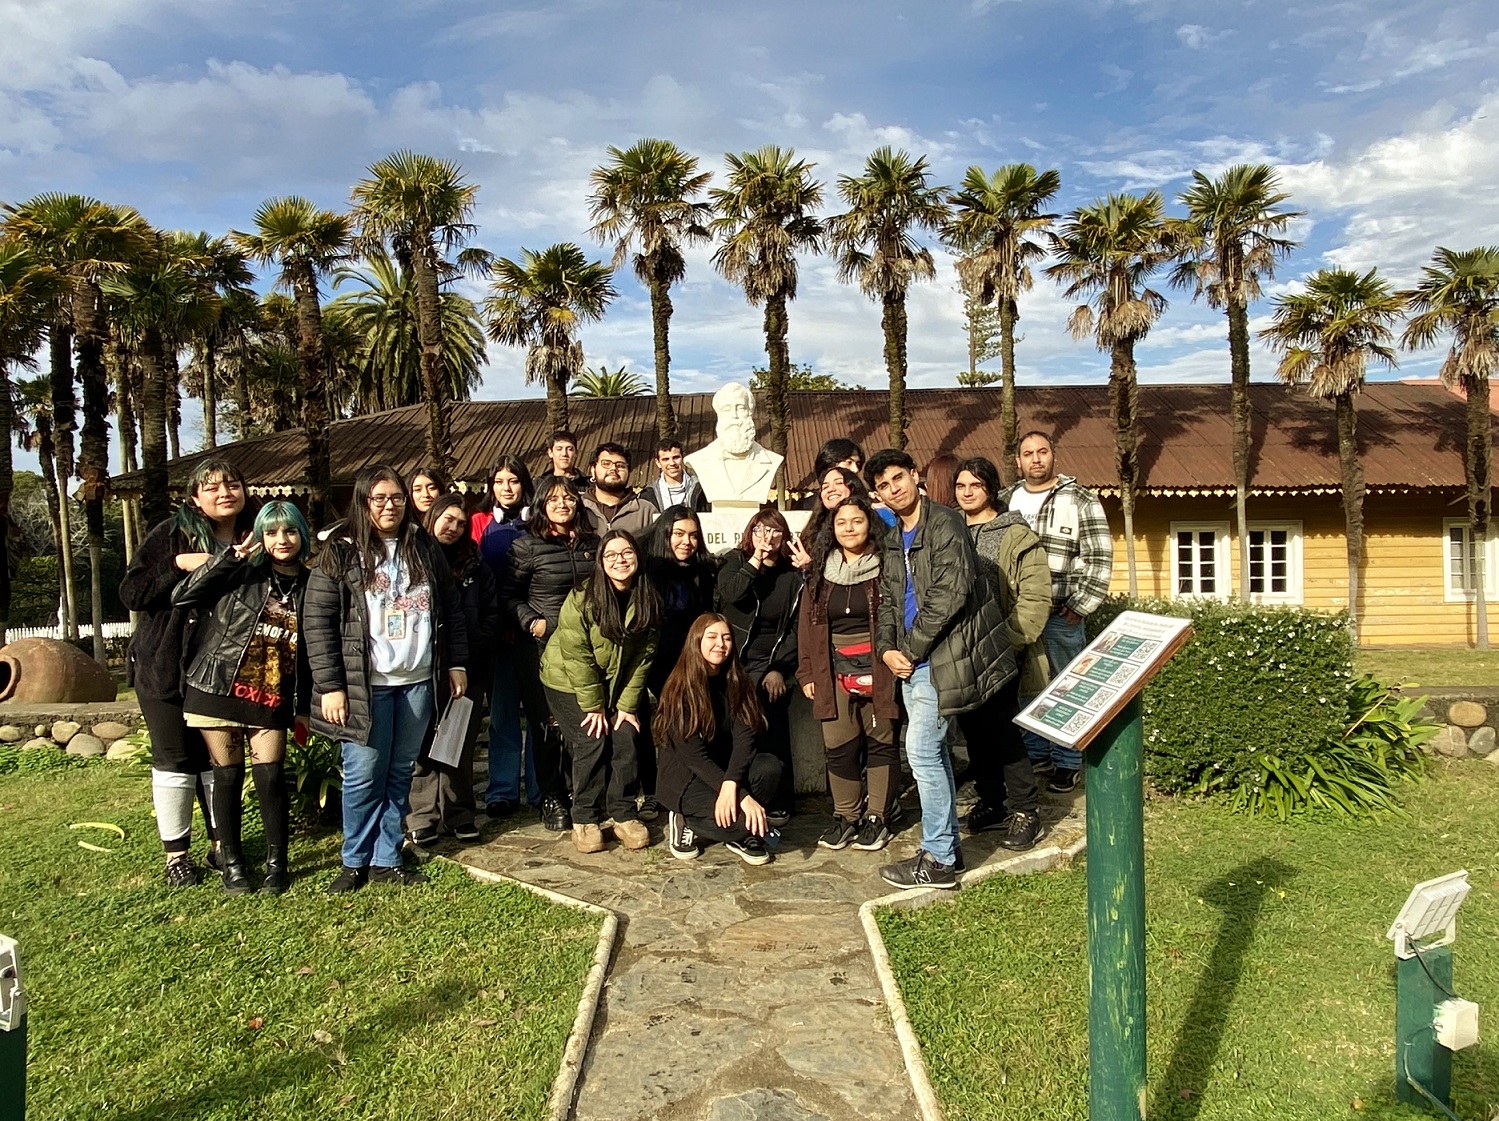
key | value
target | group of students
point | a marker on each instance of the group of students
(651, 675)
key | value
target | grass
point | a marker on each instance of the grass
(452, 1000)
(1270, 982)
(1432, 666)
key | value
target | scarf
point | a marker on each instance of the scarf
(836, 570)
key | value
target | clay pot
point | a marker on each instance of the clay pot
(50, 671)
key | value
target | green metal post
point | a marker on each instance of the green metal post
(13, 1073)
(1116, 919)
(1421, 983)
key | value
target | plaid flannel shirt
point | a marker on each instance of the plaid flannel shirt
(1079, 546)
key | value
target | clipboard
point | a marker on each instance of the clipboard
(452, 730)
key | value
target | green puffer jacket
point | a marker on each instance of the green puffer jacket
(1014, 560)
(604, 676)
(959, 627)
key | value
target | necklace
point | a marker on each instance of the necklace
(282, 591)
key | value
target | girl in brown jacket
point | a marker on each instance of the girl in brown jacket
(851, 691)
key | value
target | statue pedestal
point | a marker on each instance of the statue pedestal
(724, 525)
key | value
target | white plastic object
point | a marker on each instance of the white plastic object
(1430, 910)
(1457, 1024)
(12, 989)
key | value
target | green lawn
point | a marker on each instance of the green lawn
(1430, 665)
(452, 1000)
(1271, 985)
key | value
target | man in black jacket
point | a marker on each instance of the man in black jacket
(942, 635)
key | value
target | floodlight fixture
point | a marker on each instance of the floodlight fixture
(1429, 917)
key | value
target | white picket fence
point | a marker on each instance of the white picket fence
(111, 630)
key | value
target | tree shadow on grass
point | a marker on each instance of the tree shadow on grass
(1239, 895)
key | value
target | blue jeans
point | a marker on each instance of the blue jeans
(506, 748)
(377, 775)
(931, 765)
(1064, 641)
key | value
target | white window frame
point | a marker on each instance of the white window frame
(1452, 592)
(1222, 560)
(1293, 592)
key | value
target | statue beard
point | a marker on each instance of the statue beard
(737, 436)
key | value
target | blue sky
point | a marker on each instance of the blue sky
(1383, 116)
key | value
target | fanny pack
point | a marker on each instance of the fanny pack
(847, 668)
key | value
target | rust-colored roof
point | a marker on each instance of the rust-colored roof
(1410, 435)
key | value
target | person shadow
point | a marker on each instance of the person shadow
(1240, 895)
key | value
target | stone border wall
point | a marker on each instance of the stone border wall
(87, 730)
(1469, 719)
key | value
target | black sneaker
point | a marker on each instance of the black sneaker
(984, 816)
(650, 809)
(1063, 781)
(838, 834)
(427, 835)
(680, 838)
(1022, 831)
(922, 870)
(402, 877)
(778, 818)
(348, 879)
(212, 858)
(873, 834)
(466, 834)
(1043, 768)
(182, 872)
(503, 808)
(555, 814)
(751, 850)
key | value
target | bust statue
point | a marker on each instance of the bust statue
(735, 470)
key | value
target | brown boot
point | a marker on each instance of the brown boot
(632, 834)
(588, 838)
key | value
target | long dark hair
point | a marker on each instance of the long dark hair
(189, 519)
(540, 523)
(820, 513)
(938, 479)
(686, 708)
(463, 553)
(361, 530)
(658, 544)
(985, 472)
(825, 542)
(444, 484)
(514, 465)
(834, 452)
(601, 605)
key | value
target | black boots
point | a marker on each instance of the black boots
(228, 792)
(277, 871)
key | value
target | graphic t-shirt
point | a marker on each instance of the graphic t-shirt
(1028, 503)
(400, 615)
(264, 691)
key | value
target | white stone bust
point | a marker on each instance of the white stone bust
(735, 470)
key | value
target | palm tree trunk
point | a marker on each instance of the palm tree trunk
(210, 394)
(1479, 467)
(778, 356)
(429, 332)
(1124, 406)
(155, 501)
(63, 424)
(173, 384)
(313, 358)
(556, 401)
(120, 368)
(1238, 361)
(893, 324)
(1353, 499)
(666, 418)
(242, 399)
(93, 459)
(7, 486)
(46, 454)
(1009, 423)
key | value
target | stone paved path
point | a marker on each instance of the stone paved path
(737, 993)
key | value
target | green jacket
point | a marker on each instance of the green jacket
(1014, 560)
(604, 676)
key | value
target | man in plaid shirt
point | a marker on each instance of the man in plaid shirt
(1071, 524)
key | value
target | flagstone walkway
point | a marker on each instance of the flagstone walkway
(737, 993)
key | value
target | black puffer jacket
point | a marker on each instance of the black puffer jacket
(481, 616)
(336, 629)
(686, 591)
(959, 627)
(540, 571)
(740, 604)
(154, 662)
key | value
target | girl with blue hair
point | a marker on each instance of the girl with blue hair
(247, 679)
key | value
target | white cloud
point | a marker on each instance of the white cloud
(1194, 36)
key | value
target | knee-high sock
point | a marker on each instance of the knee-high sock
(172, 795)
(228, 811)
(275, 806)
(205, 801)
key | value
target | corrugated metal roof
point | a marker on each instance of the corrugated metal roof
(1410, 435)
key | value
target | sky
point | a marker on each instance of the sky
(1382, 117)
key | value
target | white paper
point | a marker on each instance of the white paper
(448, 743)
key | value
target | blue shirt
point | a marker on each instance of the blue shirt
(907, 538)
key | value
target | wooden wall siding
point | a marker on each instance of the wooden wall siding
(1403, 594)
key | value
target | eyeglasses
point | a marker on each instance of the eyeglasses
(612, 465)
(767, 531)
(396, 500)
(621, 555)
(562, 500)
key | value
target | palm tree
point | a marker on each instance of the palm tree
(1106, 253)
(85, 240)
(764, 216)
(224, 273)
(645, 194)
(420, 206)
(875, 245)
(1327, 335)
(1230, 241)
(605, 382)
(1459, 292)
(33, 425)
(539, 302)
(996, 220)
(305, 242)
(381, 316)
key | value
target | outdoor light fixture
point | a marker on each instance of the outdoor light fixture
(1431, 1021)
(12, 1033)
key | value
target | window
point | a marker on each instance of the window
(1458, 562)
(1199, 560)
(1275, 563)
